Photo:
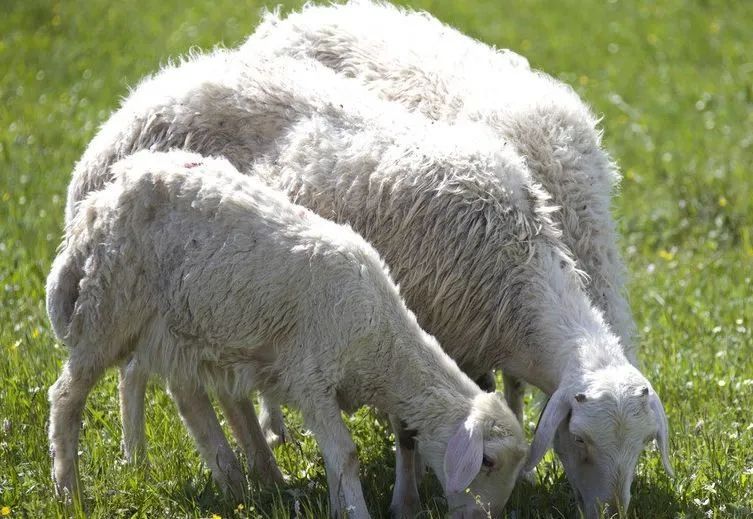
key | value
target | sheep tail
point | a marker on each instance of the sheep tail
(63, 292)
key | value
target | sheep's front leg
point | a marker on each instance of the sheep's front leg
(515, 390)
(67, 400)
(133, 380)
(272, 422)
(197, 413)
(242, 417)
(340, 460)
(405, 499)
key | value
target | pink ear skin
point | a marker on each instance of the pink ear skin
(556, 410)
(462, 460)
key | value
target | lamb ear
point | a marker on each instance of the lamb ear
(556, 410)
(662, 437)
(463, 457)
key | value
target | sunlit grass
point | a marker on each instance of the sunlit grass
(674, 83)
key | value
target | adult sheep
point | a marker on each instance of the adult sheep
(433, 69)
(211, 277)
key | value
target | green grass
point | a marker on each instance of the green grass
(674, 83)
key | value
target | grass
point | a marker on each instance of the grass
(674, 83)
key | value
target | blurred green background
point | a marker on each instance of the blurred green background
(673, 81)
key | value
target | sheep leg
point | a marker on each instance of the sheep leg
(67, 400)
(272, 422)
(405, 498)
(242, 417)
(197, 413)
(515, 390)
(133, 380)
(340, 460)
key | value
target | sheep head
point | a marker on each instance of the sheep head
(600, 423)
(484, 455)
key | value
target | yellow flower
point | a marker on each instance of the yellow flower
(722, 201)
(215, 516)
(5, 511)
(666, 255)
(240, 506)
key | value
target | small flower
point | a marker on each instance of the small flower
(722, 201)
(5, 511)
(666, 255)
(240, 507)
(215, 516)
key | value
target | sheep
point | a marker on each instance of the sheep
(208, 275)
(455, 213)
(433, 69)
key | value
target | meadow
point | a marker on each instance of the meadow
(673, 81)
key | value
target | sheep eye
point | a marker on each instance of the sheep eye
(578, 439)
(486, 461)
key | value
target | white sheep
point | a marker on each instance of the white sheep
(433, 69)
(454, 212)
(211, 277)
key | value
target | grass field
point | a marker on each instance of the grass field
(674, 83)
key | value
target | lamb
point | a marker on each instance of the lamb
(433, 69)
(210, 276)
(454, 212)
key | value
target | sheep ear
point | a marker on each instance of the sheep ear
(556, 410)
(463, 457)
(662, 437)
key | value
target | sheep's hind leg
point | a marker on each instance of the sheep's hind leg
(340, 460)
(67, 400)
(133, 380)
(272, 422)
(197, 413)
(242, 417)
(406, 502)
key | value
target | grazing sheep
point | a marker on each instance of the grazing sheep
(211, 277)
(454, 212)
(433, 69)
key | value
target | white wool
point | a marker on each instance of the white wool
(455, 211)
(209, 276)
(413, 59)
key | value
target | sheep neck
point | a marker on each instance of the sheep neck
(576, 340)
(424, 387)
